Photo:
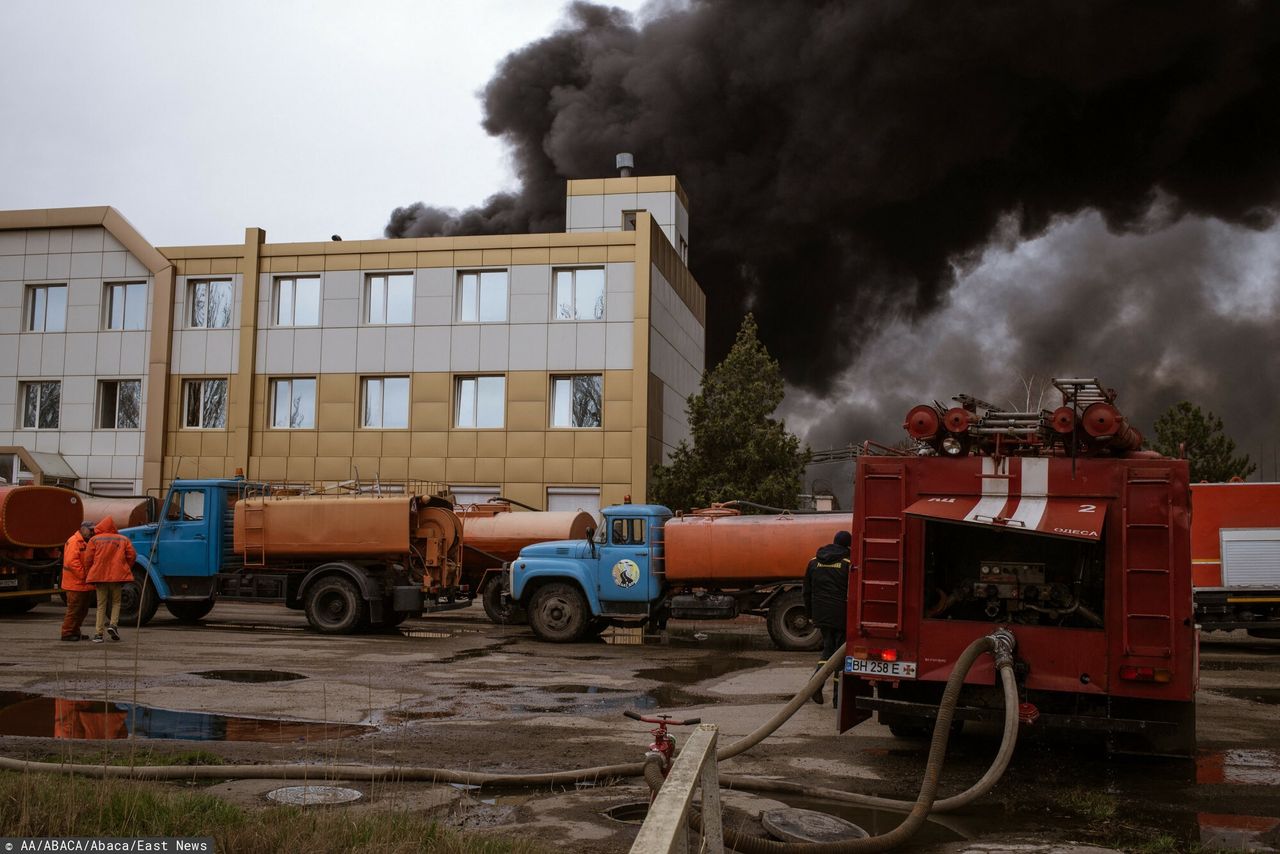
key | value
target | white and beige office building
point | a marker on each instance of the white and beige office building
(548, 368)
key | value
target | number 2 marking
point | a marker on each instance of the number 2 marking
(1088, 508)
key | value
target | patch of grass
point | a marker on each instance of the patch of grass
(61, 805)
(141, 757)
(1089, 804)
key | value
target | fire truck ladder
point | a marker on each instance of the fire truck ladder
(1147, 546)
(255, 533)
(880, 561)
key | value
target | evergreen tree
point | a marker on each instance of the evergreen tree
(1207, 447)
(739, 450)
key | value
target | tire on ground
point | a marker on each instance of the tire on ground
(499, 611)
(190, 612)
(138, 598)
(789, 624)
(558, 612)
(334, 606)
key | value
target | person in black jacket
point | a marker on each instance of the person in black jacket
(826, 594)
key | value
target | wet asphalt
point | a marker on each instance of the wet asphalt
(451, 690)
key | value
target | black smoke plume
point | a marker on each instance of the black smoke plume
(848, 162)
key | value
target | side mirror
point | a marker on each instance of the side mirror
(591, 540)
(591, 533)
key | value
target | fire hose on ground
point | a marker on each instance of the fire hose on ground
(999, 644)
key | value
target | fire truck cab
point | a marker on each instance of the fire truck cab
(1077, 545)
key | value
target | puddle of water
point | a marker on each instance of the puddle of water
(1248, 767)
(630, 636)
(582, 689)
(876, 822)
(404, 716)
(249, 676)
(1238, 832)
(36, 716)
(1268, 696)
(690, 672)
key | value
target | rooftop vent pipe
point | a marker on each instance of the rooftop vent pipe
(625, 163)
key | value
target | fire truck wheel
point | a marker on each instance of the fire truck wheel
(906, 730)
(558, 613)
(20, 605)
(138, 598)
(499, 611)
(334, 606)
(790, 626)
(189, 612)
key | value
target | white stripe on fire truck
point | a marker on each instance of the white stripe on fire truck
(995, 492)
(1035, 493)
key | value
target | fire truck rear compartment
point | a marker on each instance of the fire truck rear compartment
(987, 574)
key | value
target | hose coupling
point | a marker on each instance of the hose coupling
(655, 756)
(1003, 643)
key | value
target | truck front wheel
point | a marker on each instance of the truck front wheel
(499, 607)
(790, 626)
(558, 613)
(138, 598)
(334, 606)
(190, 612)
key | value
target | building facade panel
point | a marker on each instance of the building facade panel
(516, 363)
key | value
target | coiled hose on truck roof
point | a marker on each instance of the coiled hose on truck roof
(999, 643)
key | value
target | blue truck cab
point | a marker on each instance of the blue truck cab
(571, 589)
(181, 554)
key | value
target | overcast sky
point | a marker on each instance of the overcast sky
(308, 119)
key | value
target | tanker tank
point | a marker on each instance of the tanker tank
(38, 517)
(720, 547)
(495, 531)
(124, 512)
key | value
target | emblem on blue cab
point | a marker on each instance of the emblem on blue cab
(626, 573)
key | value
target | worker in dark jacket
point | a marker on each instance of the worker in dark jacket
(826, 594)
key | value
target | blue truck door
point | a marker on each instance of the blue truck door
(183, 545)
(623, 574)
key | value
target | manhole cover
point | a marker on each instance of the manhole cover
(793, 825)
(314, 796)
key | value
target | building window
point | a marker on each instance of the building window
(482, 296)
(464, 495)
(575, 401)
(481, 401)
(293, 403)
(684, 251)
(115, 488)
(580, 294)
(297, 301)
(40, 405)
(210, 304)
(386, 402)
(119, 404)
(47, 308)
(388, 298)
(629, 220)
(14, 470)
(126, 305)
(573, 499)
(206, 404)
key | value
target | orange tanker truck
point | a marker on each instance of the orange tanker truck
(646, 565)
(493, 534)
(35, 521)
(349, 561)
(1235, 556)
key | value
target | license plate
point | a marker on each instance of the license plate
(889, 669)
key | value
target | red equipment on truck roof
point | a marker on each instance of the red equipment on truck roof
(1053, 524)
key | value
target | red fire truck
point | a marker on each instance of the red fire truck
(1054, 525)
(1235, 556)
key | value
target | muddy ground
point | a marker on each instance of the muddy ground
(454, 691)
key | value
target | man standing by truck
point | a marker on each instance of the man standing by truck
(826, 594)
(108, 565)
(79, 591)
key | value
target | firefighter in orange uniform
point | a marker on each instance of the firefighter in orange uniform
(108, 564)
(79, 592)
